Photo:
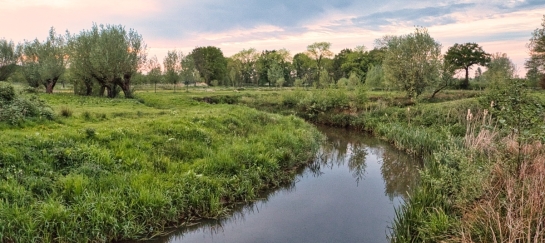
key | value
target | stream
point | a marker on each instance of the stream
(348, 194)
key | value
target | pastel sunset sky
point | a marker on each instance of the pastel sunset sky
(232, 25)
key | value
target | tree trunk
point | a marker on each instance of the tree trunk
(125, 85)
(89, 88)
(50, 84)
(102, 89)
(465, 84)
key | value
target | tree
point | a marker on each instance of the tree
(303, 66)
(275, 59)
(466, 55)
(412, 61)
(110, 55)
(44, 62)
(245, 65)
(375, 77)
(188, 73)
(210, 63)
(536, 63)
(8, 58)
(154, 72)
(319, 51)
(173, 66)
(500, 70)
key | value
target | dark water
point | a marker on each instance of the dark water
(347, 195)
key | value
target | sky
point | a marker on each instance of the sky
(503, 26)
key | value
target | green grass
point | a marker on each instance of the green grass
(127, 168)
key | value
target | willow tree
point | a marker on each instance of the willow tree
(43, 63)
(110, 55)
(8, 58)
(412, 62)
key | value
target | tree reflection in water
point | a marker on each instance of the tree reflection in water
(360, 154)
(398, 169)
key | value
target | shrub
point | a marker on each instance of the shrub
(7, 93)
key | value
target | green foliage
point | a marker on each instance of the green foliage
(7, 93)
(463, 56)
(43, 63)
(210, 63)
(375, 78)
(66, 112)
(412, 62)
(108, 55)
(15, 110)
(172, 64)
(536, 63)
(500, 71)
(140, 169)
(8, 59)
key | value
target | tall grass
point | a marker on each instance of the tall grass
(124, 169)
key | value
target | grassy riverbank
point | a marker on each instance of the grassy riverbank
(484, 157)
(112, 169)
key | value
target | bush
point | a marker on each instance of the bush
(7, 93)
(14, 110)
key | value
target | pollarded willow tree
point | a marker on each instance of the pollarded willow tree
(8, 58)
(43, 63)
(412, 62)
(463, 56)
(109, 55)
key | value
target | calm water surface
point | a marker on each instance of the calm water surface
(347, 195)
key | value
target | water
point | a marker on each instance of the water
(347, 195)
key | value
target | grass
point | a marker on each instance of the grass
(126, 168)
(467, 191)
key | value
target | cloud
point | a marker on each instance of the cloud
(412, 16)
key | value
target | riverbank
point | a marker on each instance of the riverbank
(477, 146)
(112, 169)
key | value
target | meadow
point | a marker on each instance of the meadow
(110, 169)
(104, 170)
(482, 151)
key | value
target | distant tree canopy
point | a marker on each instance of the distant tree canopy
(173, 67)
(210, 63)
(500, 70)
(8, 58)
(463, 56)
(536, 63)
(43, 63)
(108, 55)
(273, 65)
(412, 62)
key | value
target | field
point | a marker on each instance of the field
(112, 169)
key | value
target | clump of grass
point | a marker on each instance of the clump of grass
(65, 112)
(512, 208)
(86, 115)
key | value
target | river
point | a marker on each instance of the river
(348, 194)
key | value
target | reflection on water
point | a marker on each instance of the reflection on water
(347, 195)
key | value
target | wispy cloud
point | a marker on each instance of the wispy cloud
(236, 25)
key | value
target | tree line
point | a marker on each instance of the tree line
(107, 59)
